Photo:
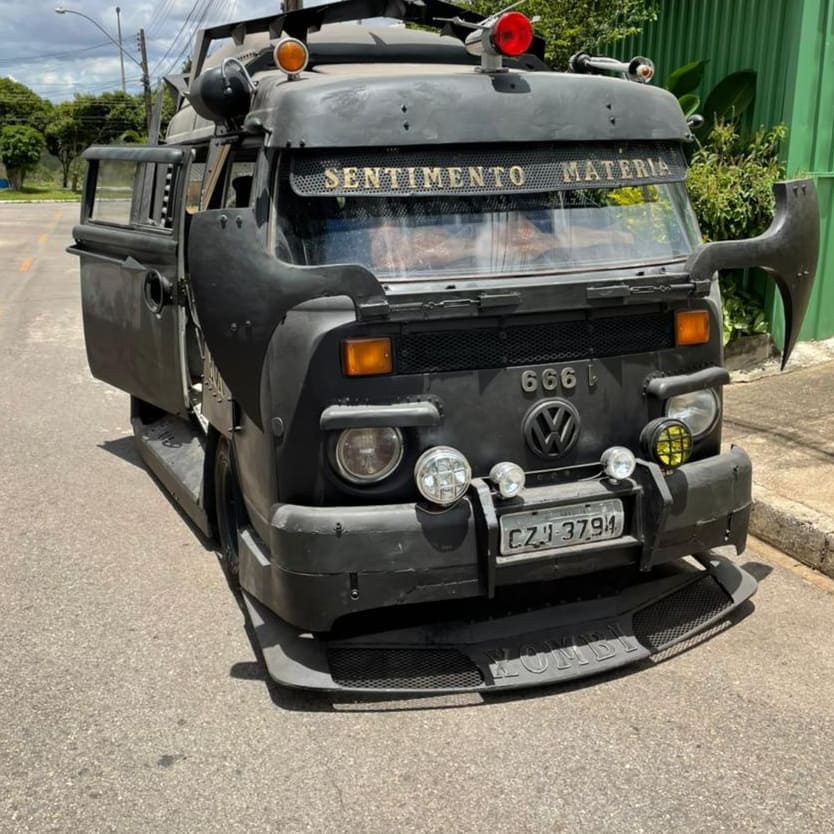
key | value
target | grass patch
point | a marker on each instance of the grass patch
(38, 192)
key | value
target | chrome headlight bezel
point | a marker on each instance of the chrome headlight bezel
(367, 480)
(439, 456)
(676, 408)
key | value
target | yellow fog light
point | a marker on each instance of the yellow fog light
(667, 442)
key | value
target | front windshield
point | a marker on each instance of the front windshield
(447, 235)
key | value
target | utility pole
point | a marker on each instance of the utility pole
(293, 5)
(121, 48)
(146, 79)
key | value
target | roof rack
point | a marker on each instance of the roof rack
(434, 14)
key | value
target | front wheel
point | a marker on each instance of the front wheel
(231, 512)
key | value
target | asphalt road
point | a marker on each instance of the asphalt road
(131, 699)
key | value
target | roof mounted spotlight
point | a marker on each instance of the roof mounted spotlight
(227, 87)
(506, 34)
(223, 94)
(638, 69)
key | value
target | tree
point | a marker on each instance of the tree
(20, 106)
(21, 146)
(571, 26)
(107, 117)
(65, 137)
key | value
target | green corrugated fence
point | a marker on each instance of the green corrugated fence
(790, 45)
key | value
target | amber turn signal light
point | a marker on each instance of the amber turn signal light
(691, 327)
(291, 56)
(367, 357)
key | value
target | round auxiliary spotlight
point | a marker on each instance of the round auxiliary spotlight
(442, 475)
(667, 441)
(618, 463)
(509, 478)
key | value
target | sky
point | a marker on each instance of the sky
(60, 55)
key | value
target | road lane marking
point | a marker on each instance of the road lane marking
(43, 238)
(26, 264)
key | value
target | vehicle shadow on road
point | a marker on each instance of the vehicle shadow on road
(124, 448)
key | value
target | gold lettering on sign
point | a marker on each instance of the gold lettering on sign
(498, 172)
(331, 179)
(518, 176)
(394, 175)
(437, 178)
(476, 176)
(372, 180)
(351, 179)
(432, 178)
(570, 172)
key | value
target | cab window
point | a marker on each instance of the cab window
(135, 194)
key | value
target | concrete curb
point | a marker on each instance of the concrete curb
(799, 531)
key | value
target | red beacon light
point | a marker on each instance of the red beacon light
(512, 34)
(505, 35)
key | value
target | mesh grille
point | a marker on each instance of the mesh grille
(396, 172)
(532, 344)
(403, 669)
(675, 616)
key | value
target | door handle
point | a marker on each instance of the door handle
(157, 291)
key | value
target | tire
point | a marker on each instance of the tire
(230, 511)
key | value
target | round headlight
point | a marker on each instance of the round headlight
(508, 477)
(698, 409)
(442, 475)
(667, 442)
(618, 463)
(365, 456)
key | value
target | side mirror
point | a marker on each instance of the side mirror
(788, 250)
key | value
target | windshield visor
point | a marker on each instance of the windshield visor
(555, 211)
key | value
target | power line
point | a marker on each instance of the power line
(176, 37)
(23, 59)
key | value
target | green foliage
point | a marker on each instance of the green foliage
(570, 26)
(743, 312)
(731, 182)
(689, 103)
(65, 137)
(731, 179)
(20, 106)
(685, 79)
(730, 99)
(21, 146)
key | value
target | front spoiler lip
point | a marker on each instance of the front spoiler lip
(548, 646)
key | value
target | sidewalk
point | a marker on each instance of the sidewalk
(785, 422)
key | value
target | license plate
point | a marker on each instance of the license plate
(555, 527)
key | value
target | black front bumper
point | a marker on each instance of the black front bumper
(546, 646)
(323, 563)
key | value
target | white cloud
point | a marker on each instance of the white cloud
(60, 55)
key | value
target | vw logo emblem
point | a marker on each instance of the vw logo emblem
(551, 428)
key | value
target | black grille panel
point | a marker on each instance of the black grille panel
(469, 349)
(675, 616)
(429, 669)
